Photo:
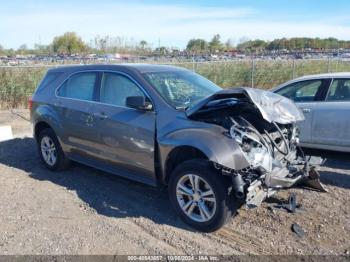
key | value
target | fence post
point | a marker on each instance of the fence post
(337, 64)
(328, 64)
(293, 69)
(253, 73)
(193, 69)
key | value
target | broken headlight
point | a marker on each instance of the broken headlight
(253, 149)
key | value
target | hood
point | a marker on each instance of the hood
(273, 107)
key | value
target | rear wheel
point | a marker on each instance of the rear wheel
(200, 196)
(50, 151)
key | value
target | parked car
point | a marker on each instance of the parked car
(325, 102)
(167, 126)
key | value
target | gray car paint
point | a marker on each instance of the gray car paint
(326, 124)
(129, 142)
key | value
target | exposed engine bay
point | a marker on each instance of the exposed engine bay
(264, 126)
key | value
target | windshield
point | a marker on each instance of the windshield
(181, 89)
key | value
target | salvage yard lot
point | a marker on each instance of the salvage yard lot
(85, 211)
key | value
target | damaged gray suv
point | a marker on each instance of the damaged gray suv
(214, 149)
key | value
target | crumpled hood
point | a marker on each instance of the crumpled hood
(273, 107)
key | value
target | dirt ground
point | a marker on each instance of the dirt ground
(85, 211)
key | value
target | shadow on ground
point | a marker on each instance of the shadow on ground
(338, 162)
(107, 194)
(111, 195)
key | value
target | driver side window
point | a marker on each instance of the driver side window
(303, 91)
(115, 88)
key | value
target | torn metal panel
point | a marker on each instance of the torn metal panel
(273, 107)
(263, 127)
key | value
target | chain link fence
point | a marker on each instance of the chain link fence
(264, 73)
(17, 83)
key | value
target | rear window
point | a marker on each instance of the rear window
(339, 90)
(49, 78)
(79, 86)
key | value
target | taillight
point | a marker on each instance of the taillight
(30, 103)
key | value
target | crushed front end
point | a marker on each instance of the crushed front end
(264, 125)
(276, 161)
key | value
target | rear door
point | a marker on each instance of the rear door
(331, 119)
(75, 103)
(126, 135)
(306, 94)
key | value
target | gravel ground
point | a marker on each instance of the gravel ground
(85, 211)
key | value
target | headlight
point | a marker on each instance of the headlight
(295, 135)
(257, 154)
(260, 157)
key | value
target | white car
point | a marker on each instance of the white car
(325, 102)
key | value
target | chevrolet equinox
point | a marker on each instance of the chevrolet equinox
(167, 126)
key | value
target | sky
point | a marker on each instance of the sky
(171, 22)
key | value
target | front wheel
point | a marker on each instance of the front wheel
(200, 195)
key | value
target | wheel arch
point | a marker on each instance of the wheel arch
(179, 155)
(40, 126)
(45, 116)
(209, 144)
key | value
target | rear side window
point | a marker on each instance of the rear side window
(339, 90)
(49, 78)
(79, 86)
(304, 91)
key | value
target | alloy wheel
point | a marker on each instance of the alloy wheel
(48, 150)
(196, 198)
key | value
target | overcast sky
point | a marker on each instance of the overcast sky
(172, 22)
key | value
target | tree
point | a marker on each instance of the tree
(143, 44)
(162, 50)
(102, 43)
(68, 43)
(22, 49)
(42, 49)
(252, 45)
(197, 45)
(215, 44)
(229, 45)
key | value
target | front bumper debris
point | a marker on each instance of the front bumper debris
(313, 181)
(281, 178)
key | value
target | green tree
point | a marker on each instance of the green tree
(197, 45)
(162, 50)
(68, 43)
(143, 44)
(252, 45)
(215, 44)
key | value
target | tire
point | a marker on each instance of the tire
(48, 139)
(219, 211)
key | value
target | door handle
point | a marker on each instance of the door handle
(306, 110)
(101, 115)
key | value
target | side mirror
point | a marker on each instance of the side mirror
(138, 102)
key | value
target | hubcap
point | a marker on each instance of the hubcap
(48, 150)
(196, 198)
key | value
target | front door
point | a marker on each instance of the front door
(126, 135)
(305, 94)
